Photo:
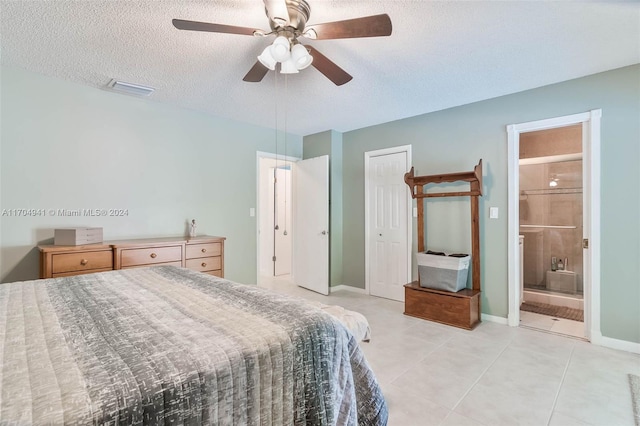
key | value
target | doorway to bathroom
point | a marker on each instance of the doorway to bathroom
(554, 224)
(551, 229)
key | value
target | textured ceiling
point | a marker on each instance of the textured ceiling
(441, 54)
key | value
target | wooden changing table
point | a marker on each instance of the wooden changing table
(460, 309)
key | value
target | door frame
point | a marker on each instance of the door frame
(367, 157)
(591, 213)
(265, 155)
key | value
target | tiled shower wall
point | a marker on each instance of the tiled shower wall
(561, 205)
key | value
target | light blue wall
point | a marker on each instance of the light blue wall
(68, 146)
(455, 139)
(330, 143)
(316, 145)
(336, 226)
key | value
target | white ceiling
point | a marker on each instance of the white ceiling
(441, 54)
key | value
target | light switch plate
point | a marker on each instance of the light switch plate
(493, 212)
(415, 211)
(252, 211)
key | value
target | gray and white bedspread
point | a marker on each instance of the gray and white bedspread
(167, 345)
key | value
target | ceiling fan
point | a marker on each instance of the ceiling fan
(288, 19)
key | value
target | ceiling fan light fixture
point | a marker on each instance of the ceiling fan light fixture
(267, 59)
(280, 49)
(301, 56)
(288, 67)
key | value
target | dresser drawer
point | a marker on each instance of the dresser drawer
(76, 262)
(204, 264)
(148, 256)
(203, 250)
(154, 264)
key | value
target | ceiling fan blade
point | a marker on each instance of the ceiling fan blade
(328, 68)
(256, 73)
(212, 28)
(369, 26)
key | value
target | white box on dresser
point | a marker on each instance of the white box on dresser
(76, 236)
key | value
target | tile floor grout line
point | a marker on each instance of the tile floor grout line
(564, 375)
(418, 361)
(480, 377)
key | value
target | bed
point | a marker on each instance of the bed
(166, 345)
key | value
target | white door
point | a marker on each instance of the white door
(388, 224)
(311, 224)
(282, 226)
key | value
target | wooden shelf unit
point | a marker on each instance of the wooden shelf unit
(461, 309)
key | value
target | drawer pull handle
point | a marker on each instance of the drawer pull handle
(204, 265)
(153, 255)
(84, 262)
(204, 250)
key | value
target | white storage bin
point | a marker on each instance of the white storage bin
(442, 272)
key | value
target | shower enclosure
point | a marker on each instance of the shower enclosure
(551, 219)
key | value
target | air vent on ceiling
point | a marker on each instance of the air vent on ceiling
(129, 88)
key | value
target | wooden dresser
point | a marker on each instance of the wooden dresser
(204, 254)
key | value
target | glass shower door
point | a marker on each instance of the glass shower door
(551, 222)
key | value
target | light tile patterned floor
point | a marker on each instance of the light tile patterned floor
(495, 375)
(552, 324)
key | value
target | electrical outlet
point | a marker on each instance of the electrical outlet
(252, 211)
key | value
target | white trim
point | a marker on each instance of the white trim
(552, 123)
(344, 287)
(608, 342)
(513, 229)
(367, 156)
(591, 150)
(493, 318)
(259, 156)
(591, 155)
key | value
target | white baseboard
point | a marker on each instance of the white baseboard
(623, 345)
(347, 288)
(493, 318)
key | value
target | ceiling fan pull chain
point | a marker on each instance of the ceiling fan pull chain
(275, 81)
(286, 103)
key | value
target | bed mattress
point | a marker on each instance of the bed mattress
(168, 345)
